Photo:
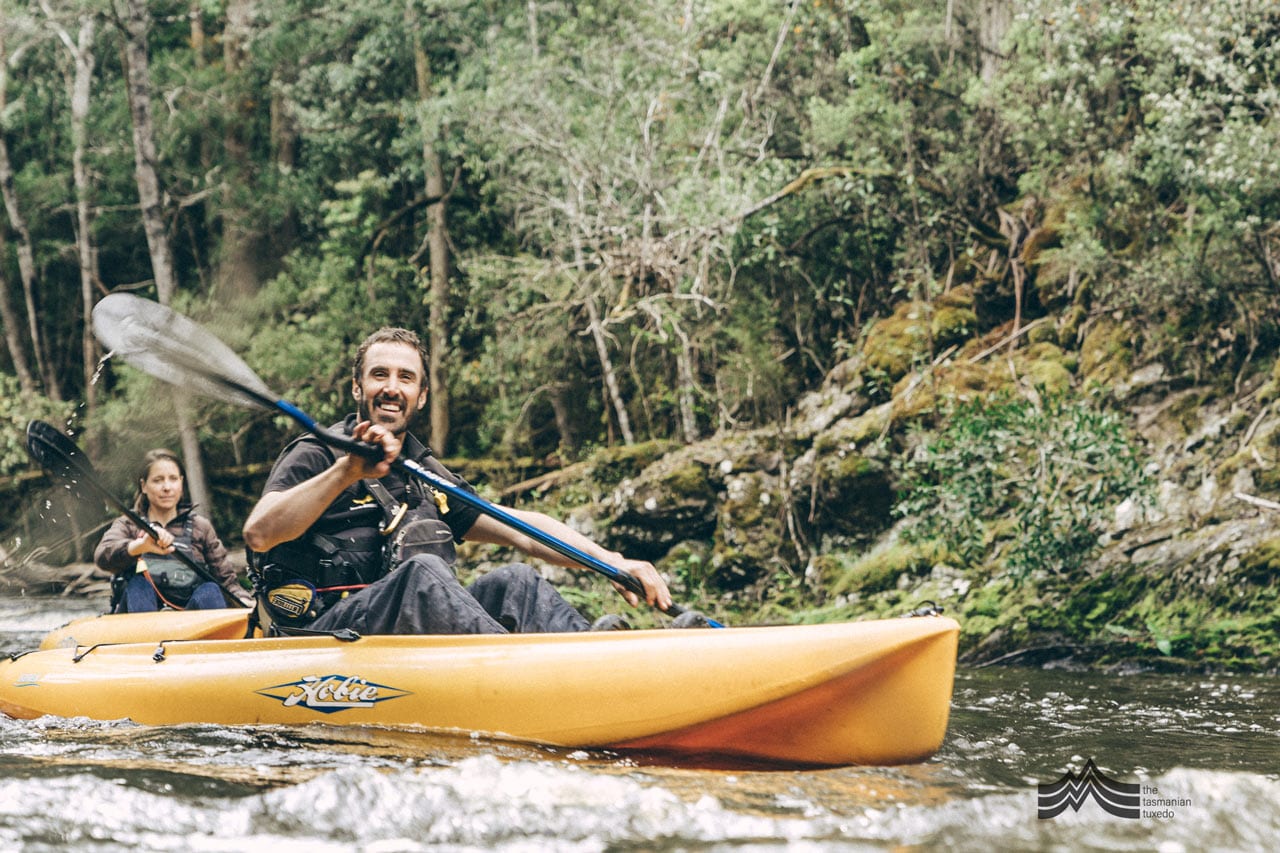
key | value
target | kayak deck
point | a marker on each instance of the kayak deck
(873, 692)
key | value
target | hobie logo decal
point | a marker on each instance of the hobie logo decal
(330, 693)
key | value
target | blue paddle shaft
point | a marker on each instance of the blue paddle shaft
(619, 576)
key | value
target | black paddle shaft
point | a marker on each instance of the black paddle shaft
(62, 458)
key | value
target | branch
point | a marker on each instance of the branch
(1008, 340)
(808, 176)
(783, 31)
(1258, 502)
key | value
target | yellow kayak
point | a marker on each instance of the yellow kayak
(874, 692)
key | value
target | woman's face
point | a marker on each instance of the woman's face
(163, 486)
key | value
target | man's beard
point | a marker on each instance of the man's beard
(365, 412)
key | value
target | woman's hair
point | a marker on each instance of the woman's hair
(140, 501)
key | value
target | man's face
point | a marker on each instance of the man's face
(391, 389)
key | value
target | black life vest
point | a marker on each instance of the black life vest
(175, 580)
(358, 540)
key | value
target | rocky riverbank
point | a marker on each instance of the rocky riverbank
(796, 523)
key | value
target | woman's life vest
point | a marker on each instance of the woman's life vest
(174, 579)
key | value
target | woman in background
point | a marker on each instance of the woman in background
(147, 575)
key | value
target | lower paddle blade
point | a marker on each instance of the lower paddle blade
(59, 456)
(54, 452)
(165, 344)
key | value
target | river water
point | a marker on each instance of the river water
(1204, 749)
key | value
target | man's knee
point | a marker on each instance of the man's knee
(513, 578)
(428, 566)
(514, 573)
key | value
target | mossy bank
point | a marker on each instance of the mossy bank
(1170, 561)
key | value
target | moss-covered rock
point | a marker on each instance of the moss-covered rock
(722, 517)
(894, 344)
(1106, 353)
(916, 398)
(852, 496)
(857, 432)
(1173, 607)
(751, 532)
(611, 465)
(898, 343)
(879, 569)
(1047, 367)
(952, 325)
(1069, 326)
(669, 501)
(688, 565)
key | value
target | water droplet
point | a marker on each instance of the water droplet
(102, 363)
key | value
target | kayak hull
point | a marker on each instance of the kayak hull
(223, 624)
(873, 692)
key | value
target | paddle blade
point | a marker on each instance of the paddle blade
(56, 453)
(165, 344)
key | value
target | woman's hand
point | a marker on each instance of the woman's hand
(161, 543)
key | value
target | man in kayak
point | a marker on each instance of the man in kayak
(341, 541)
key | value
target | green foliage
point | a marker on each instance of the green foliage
(633, 158)
(311, 318)
(17, 409)
(1164, 115)
(1033, 478)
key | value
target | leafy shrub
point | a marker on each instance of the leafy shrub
(1040, 473)
(16, 410)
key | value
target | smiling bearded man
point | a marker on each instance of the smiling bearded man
(341, 541)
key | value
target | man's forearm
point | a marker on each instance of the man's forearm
(492, 531)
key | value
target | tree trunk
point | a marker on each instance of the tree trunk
(438, 261)
(238, 273)
(994, 19)
(80, 85)
(688, 403)
(195, 14)
(138, 88)
(26, 254)
(558, 395)
(85, 250)
(531, 13)
(138, 77)
(284, 146)
(12, 339)
(610, 376)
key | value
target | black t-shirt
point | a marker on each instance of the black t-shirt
(355, 507)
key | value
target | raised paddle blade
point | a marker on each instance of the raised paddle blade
(53, 451)
(163, 343)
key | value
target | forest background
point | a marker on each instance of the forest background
(827, 306)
